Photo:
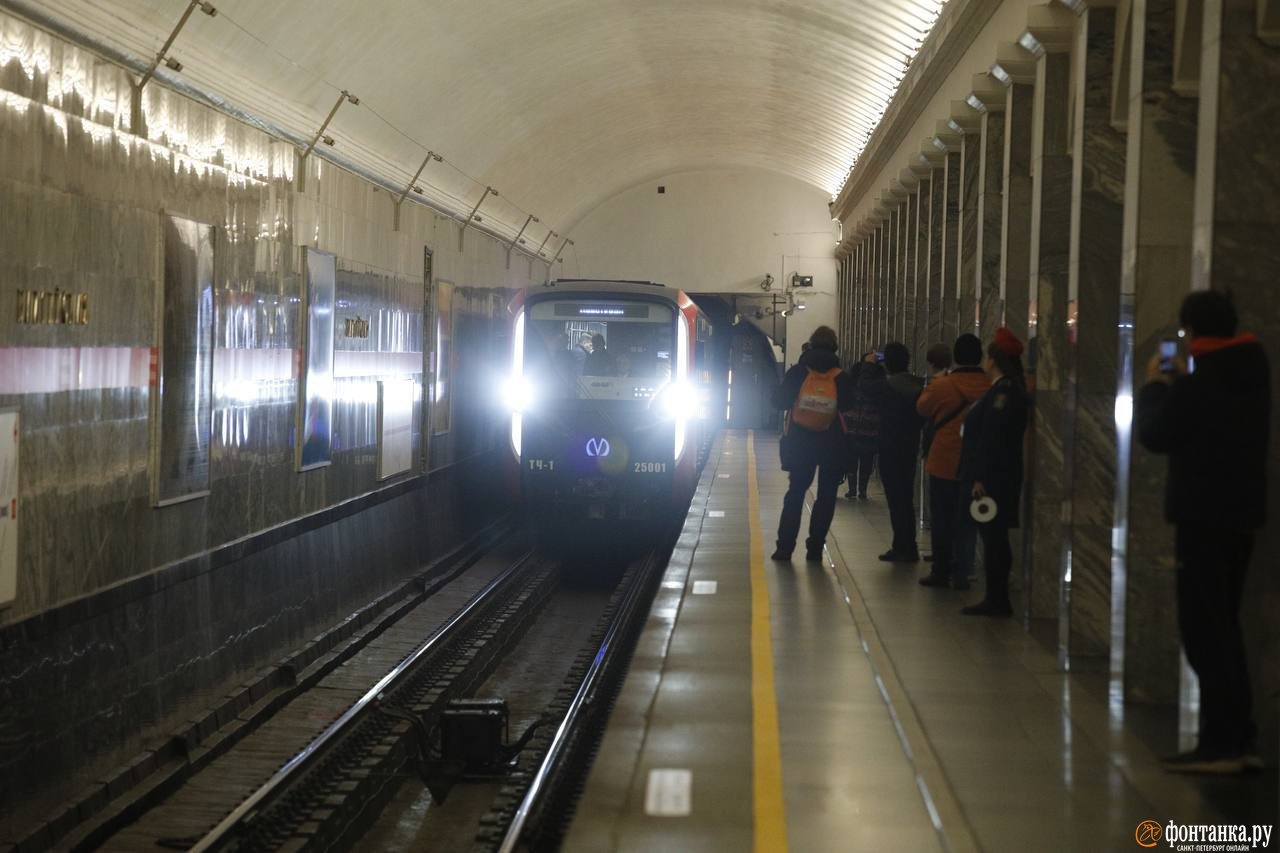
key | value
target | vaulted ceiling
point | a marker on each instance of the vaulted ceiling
(558, 104)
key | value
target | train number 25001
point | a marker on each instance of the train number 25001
(649, 467)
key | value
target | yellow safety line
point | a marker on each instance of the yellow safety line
(770, 813)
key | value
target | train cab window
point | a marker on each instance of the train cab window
(599, 351)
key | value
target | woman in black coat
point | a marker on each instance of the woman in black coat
(991, 464)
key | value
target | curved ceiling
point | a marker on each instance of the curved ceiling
(558, 104)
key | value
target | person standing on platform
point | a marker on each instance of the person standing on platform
(944, 402)
(1213, 422)
(896, 392)
(863, 425)
(815, 393)
(991, 465)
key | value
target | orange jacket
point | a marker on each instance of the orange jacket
(944, 395)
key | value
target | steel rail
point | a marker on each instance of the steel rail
(581, 700)
(221, 833)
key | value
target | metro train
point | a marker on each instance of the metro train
(608, 400)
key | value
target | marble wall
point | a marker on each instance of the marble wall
(1097, 211)
(136, 605)
(967, 279)
(1160, 158)
(1237, 219)
(937, 232)
(990, 307)
(1051, 231)
(1015, 239)
(953, 169)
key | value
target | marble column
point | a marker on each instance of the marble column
(1015, 231)
(1237, 218)
(900, 313)
(892, 280)
(1155, 273)
(952, 170)
(1089, 435)
(937, 221)
(966, 285)
(910, 234)
(923, 205)
(990, 220)
(885, 276)
(1046, 329)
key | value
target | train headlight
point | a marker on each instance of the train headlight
(678, 400)
(517, 394)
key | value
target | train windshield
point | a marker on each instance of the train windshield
(599, 350)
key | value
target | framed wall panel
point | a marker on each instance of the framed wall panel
(395, 426)
(182, 402)
(315, 414)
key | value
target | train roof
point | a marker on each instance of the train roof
(587, 285)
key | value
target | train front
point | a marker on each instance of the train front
(601, 406)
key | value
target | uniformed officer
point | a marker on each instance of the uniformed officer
(991, 464)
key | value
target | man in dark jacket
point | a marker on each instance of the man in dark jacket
(1214, 424)
(896, 391)
(808, 451)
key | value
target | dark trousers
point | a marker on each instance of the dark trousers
(898, 474)
(824, 507)
(861, 463)
(1211, 570)
(944, 513)
(997, 558)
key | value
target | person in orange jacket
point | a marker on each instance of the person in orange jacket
(943, 403)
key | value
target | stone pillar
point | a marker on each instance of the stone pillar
(910, 334)
(1089, 435)
(966, 286)
(885, 276)
(952, 168)
(990, 219)
(937, 220)
(922, 203)
(1237, 219)
(1015, 231)
(901, 326)
(1155, 275)
(892, 280)
(1046, 321)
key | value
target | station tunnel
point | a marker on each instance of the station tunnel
(398, 402)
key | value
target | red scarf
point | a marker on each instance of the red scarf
(1202, 346)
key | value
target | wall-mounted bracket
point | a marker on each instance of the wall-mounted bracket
(300, 171)
(135, 108)
(472, 216)
(543, 244)
(556, 259)
(519, 237)
(412, 186)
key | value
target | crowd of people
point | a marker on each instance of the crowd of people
(1209, 413)
(967, 422)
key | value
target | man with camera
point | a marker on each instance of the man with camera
(1211, 415)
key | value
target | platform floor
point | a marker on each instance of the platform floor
(844, 707)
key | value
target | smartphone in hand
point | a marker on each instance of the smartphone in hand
(1169, 355)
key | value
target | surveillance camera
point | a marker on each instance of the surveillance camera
(767, 282)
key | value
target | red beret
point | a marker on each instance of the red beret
(1008, 342)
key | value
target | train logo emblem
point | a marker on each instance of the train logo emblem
(597, 447)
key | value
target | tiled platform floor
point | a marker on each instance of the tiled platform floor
(902, 725)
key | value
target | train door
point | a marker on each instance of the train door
(428, 356)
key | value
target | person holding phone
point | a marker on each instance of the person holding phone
(1213, 424)
(895, 391)
(991, 465)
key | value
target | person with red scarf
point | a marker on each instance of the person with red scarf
(1213, 422)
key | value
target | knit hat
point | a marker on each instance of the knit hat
(1008, 342)
(967, 350)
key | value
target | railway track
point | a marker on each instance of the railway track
(314, 769)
